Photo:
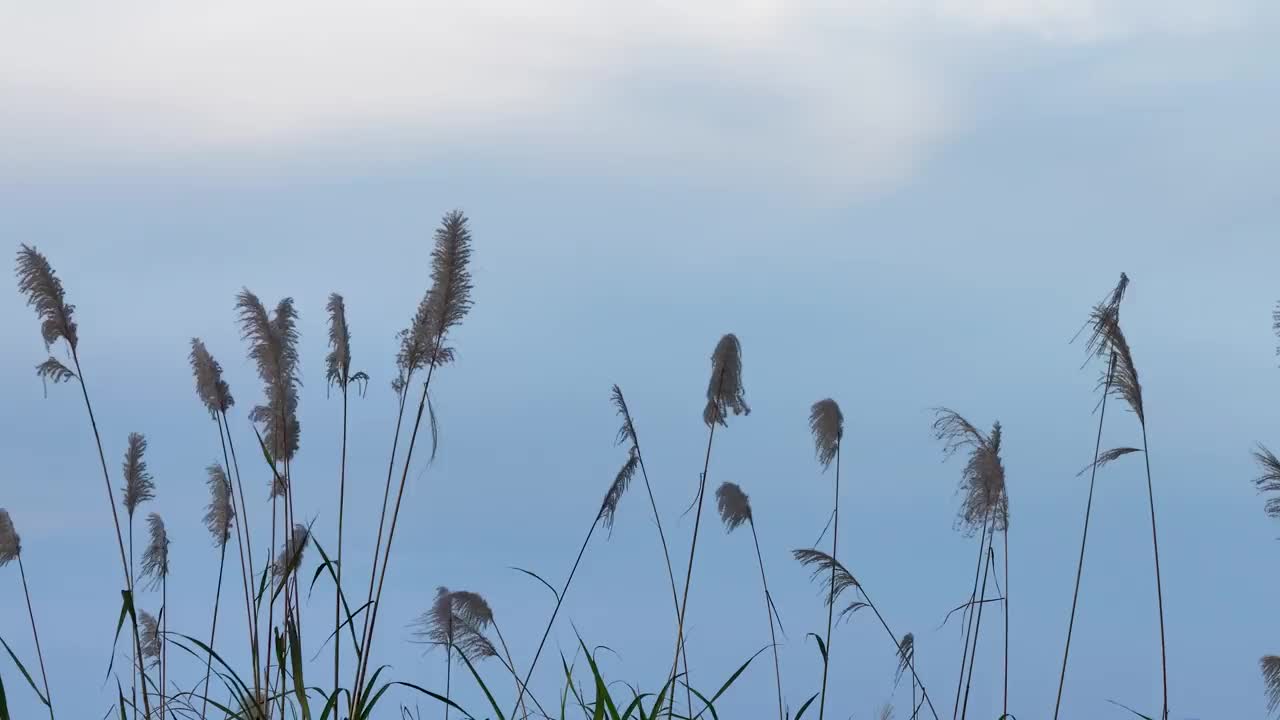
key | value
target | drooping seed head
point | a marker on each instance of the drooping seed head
(149, 636)
(37, 280)
(221, 511)
(826, 422)
(982, 483)
(273, 346)
(10, 543)
(734, 505)
(906, 655)
(212, 390)
(290, 556)
(725, 393)
(155, 559)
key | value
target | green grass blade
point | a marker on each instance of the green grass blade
(25, 674)
(709, 705)
(805, 706)
(435, 696)
(492, 703)
(4, 703)
(295, 656)
(538, 577)
(731, 680)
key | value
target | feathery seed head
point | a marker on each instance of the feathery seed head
(221, 511)
(824, 566)
(725, 393)
(212, 390)
(906, 654)
(1270, 665)
(38, 281)
(826, 422)
(1106, 457)
(290, 556)
(150, 636)
(982, 483)
(734, 505)
(622, 481)
(1120, 379)
(445, 304)
(155, 559)
(1269, 480)
(627, 432)
(338, 361)
(10, 543)
(273, 346)
(460, 619)
(1107, 311)
(138, 483)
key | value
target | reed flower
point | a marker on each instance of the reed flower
(155, 559)
(982, 483)
(445, 304)
(37, 280)
(150, 638)
(725, 393)
(734, 505)
(826, 422)
(139, 486)
(221, 511)
(212, 390)
(1270, 665)
(290, 556)
(273, 346)
(10, 543)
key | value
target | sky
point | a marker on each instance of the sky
(898, 205)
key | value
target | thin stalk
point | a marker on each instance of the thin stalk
(342, 497)
(133, 677)
(693, 548)
(372, 615)
(511, 665)
(164, 644)
(831, 605)
(243, 546)
(124, 564)
(768, 605)
(377, 545)
(213, 630)
(977, 630)
(915, 709)
(551, 623)
(894, 639)
(1005, 711)
(448, 676)
(1084, 536)
(968, 617)
(34, 634)
(666, 556)
(269, 571)
(1155, 546)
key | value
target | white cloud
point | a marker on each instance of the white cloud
(749, 89)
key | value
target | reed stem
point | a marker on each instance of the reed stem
(213, 631)
(1155, 546)
(894, 639)
(835, 535)
(768, 604)
(35, 635)
(968, 618)
(977, 629)
(342, 497)
(1005, 708)
(1084, 536)
(693, 549)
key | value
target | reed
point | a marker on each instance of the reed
(735, 510)
(10, 550)
(826, 423)
(45, 294)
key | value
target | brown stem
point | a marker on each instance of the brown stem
(773, 638)
(1155, 546)
(968, 617)
(831, 599)
(36, 635)
(124, 564)
(342, 497)
(1084, 536)
(244, 547)
(688, 577)
(977, 629)
(395, 516)
(213, 630)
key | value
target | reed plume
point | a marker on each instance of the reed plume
(290, 556)
(907, 661)
(1270, 665)
(443, 308)
(826, 423)
(139, 486)
(984, 507)
(273, 346)
(212, 390)
(10, 550)
(1103, 322)
(1106, 457)
(725, 396)
(823, 565)
(150, 636)
(44, 292)
(155, 559)
(735, 511)
(218, 517)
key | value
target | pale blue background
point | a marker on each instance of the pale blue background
(895, 206)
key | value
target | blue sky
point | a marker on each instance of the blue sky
(897, 205)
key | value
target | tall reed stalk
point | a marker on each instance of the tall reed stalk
(826, 423)
(977, 628)
(725, 395)
(10, 550)
(44, 291)
(444, 307)
(735, 511)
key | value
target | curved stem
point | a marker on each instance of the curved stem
(1084, 536)
(213, 631)
(34, 634)
(1155, 546)
(550, 623)
(693, 548)
(977, 629)
(831, 599)
(768, 604)
(894, 639)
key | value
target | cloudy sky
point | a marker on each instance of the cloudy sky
(896, 204)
